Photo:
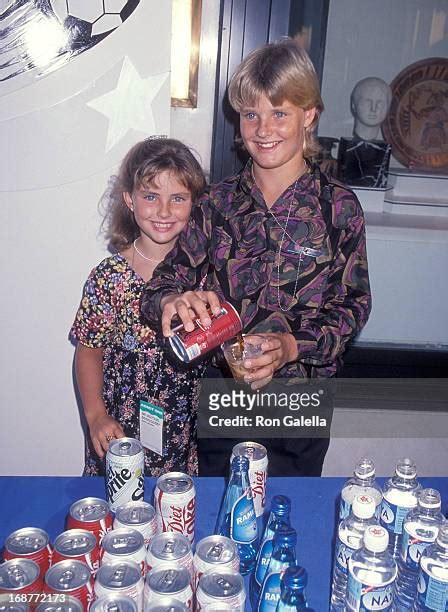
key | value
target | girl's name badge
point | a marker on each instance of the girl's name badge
(151, 427)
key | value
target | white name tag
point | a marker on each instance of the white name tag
(151, 427)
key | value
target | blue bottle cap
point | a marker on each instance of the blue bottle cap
(240, 463)
(281, 505)
(285, 536)
(295, 577)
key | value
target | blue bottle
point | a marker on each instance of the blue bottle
(292, 589)
(283, 556)
(432, 589)
(236, 518)
(279, 515)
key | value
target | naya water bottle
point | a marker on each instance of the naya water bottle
(236, 518)
(362, 481)
(279, 515)
(283, 556)
(372, 572)
(420, 529)
(349, 538)
(432, 584)
(292, 590)
(400, 495)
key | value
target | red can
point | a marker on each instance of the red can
(30, 543)
(20, 576)
(71, 578)
(77, 544)
(92, 514)
(190, 345)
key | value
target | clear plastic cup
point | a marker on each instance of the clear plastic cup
(235, 357)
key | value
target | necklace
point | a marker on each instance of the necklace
(144, 256)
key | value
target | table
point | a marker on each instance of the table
(44, 502)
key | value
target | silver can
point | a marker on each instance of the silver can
(168, 549)
(120, 578)
(6, 605)
(258, 471)
(175, 503)
(71, 577)
(20, 576)
(109, 603)
(125, 472)
(125, 544)
(77, 544)
(212, 552)
(138, 515)
(70, 604)
(221, 589)
(172, 582)
(166, 604)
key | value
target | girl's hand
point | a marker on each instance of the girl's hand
(103, 429)
(189, 306)
(278, 350)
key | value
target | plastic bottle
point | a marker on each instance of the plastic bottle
(292, 590)
(283, 556)
(420, 529)
(279, 515)
(350, 534)
(400, 495)
(362, 481)
(236, 518)
(432, 585)
(372, 574)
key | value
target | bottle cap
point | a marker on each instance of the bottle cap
(429, 498)
(376, 538)
(442, 538)
(363, 506)
(364, 469)
(285, 536)
(240, 463)
(295, 577)
(281, 505)
(406, 468)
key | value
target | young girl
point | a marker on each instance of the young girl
(119, 365)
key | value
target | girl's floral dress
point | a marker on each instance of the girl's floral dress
(136, 368)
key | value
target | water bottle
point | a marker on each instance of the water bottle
(362, 481)
(371, 574)
(420, 529)
(292, 590)
(350, 533)
(236, 518)
(283, 555)
(279, 515)
(432, 585)
(400, 495)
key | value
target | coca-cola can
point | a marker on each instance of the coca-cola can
(212, 552)
(7, 604)
(20, 576)
(190, 345)
(125, 472)
(109, 603)
(124, 544)
(175, 503)
(221, 589)
(77, 544)
(138, 515)
(92, 514)
(170, 581)
(168, 549)
(61, 603)
(258, 471)
(30, 543)
(71, 577)
(166, 604)
(120, 578)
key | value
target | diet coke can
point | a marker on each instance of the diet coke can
(190, 345)
(92, 514)
(77, 544)
(168, 549)
(258, 471)
(175, 503)
(61, 603)
(166, 604)
(221, 589)
(138, 515)
(212, 552)
(71, 577)
(30, 543)
(125, 472)
(120, 578)
(20, 576)
(109, 603)
(172, 582)
(125, 544)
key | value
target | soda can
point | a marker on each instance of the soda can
(168, 582)
(190, 345)
(109, 603)
(6, 605)
(221, 589)
(138, 515)
(166, 604)
(69, 604)
(175, 503)
(71, 577)
(125, 472)
(120, 578)
(30, 543)
(125, 544)
(168, 549)
(77, 544)
(258, 471)
(92, 514)
(20, 576)
(212, 552)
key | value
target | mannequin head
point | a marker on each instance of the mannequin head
(370, 102)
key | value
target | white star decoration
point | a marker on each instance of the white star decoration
(129, 105)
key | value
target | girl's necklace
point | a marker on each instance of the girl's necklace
(144, 256)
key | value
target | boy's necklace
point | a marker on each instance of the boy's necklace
(144, 256)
